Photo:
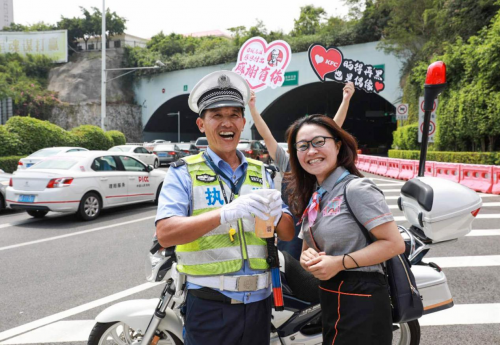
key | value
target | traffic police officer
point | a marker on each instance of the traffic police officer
(206, 209)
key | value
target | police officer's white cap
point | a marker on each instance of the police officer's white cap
(219, 89)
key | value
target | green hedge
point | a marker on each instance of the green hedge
(406, 137)
(9, 164)
(489, 158)
(9, 142)
(117, 137)
(37, 134)
(91, 137)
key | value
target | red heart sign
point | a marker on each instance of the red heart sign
(379, 86)
(324, 61)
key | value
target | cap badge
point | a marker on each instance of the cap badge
(224, 82)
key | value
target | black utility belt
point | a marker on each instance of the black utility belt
(212, 295)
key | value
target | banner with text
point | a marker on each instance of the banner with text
(263, 65)
(53, 44)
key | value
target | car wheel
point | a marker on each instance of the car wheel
(158, 194)
(156, 164)
(90, 206)
(2, 203)
(37, 213)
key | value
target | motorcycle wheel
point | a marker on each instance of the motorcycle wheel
(406, 333)
(119, 333)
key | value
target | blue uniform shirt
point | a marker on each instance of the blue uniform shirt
(176, 200)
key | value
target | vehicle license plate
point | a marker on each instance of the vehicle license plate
(26, 198)
(29, 164)
(161, 154)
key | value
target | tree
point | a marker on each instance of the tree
(309, 20)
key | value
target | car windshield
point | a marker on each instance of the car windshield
(243, 146)
(184, 146)
(202, 142)
(46, 152)
(59, 164)
(164, 148)
(119, 149)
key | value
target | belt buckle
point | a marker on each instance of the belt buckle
(247, 283)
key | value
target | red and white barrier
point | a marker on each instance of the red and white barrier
(477, 177)
(496, 180)
(481, 178)
(449, 171)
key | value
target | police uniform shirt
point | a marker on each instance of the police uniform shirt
(335, 231)
(176, 200)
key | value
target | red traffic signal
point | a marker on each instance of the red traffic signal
(436, 73)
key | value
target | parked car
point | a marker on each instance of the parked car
(4, 183)
(42, 154)
(83, 183)
(168, 153)
(188, 149)
(201, 143)
(254, 149)
(138, 152)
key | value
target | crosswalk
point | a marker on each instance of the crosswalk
(65, 327)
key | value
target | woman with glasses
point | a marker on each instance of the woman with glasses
(353, 290)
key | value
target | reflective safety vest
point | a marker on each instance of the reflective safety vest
(214, 253)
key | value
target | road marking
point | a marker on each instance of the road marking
(73, 311)
(464, 314)
(484, 232)
(74, 234)
(466, 261)
(22, 222)
(389, 184)
(381, 179)
(59, 332)
(390, 190)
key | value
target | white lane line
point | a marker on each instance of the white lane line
(384, 180)
(73, 311)
(59, 332)
(464, 314)
(73, 234)
(484, 232)
(392, 197)
(22, 222)
(389, 184)
(466, 261)
(390, 190)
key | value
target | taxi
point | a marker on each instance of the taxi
(83, 183)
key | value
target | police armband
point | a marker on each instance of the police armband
(178, 163)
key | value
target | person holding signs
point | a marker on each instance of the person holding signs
(206, 209)
(354, 296)
(280, 157)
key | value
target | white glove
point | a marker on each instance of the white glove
(275, 206)
(244, 207)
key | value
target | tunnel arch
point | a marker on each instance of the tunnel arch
(368, 117)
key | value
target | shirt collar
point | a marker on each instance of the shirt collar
(331, 180)
(218, 161)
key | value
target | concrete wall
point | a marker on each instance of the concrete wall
(154, 91)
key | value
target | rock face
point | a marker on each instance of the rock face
(78, 84)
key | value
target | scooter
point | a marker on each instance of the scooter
(433, 221)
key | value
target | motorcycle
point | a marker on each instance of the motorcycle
(160, 321)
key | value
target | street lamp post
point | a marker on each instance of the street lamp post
(178, 114)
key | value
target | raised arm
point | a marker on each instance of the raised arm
(347, 93)
(262, 127)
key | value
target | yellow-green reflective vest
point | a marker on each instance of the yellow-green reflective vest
(214, 253)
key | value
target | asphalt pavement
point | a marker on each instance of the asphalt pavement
(58, 273)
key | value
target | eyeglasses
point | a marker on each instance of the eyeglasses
(319, 141)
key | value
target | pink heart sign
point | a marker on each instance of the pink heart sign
(263, 65)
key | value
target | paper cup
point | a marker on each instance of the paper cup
(264, 228)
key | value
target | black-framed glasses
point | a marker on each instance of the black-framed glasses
(318, 141)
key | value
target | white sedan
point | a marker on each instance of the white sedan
(83, 183)
(138, 152)
(40, 155)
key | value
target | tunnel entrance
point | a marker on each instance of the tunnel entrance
(368, 118)
(163, 126)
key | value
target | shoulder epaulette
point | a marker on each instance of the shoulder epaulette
(178, 163)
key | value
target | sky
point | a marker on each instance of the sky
(146, 18)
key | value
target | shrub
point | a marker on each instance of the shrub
(36, 134)
(488, 158)
(406, 137)
(9, 163)
(117, 137)
(91, 137)
(9, 142)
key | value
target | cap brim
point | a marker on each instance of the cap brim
(223, 104)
